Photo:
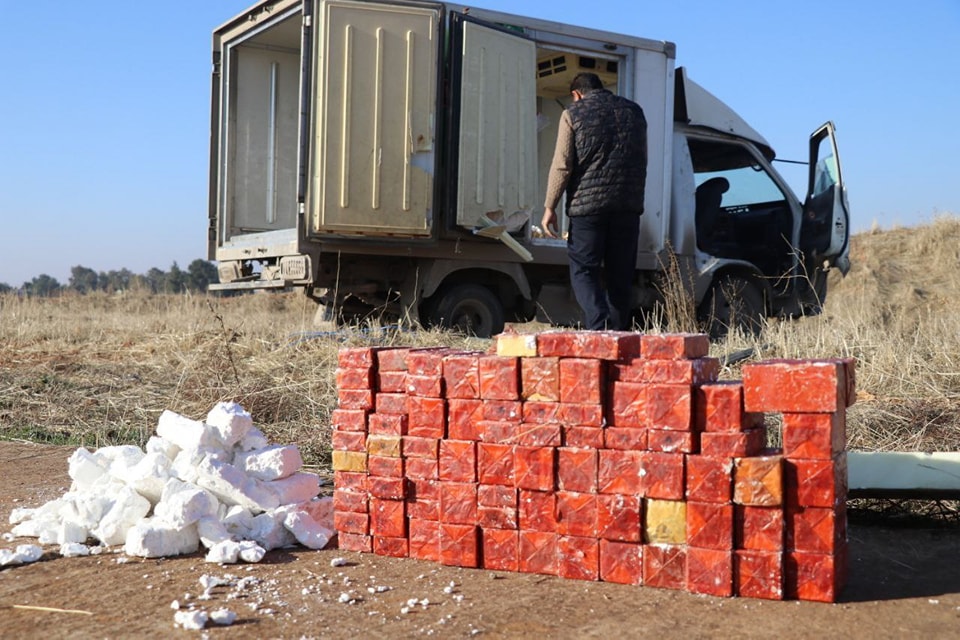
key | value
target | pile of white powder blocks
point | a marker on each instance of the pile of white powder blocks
(217, 483)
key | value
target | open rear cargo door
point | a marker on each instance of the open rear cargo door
(375, 119)
(496, 155)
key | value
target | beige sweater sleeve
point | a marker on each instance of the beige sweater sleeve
(562, 165)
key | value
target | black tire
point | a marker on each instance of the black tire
(733, 302)
(470, 308)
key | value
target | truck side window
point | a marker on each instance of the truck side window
(753, 221)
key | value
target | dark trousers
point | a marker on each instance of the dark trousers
(603, 258)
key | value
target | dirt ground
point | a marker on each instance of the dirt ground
(904, 582)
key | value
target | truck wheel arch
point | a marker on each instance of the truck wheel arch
(434, 273)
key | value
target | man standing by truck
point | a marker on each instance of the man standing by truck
(600, 161)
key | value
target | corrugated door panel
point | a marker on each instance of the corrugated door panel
(376, 120)
(498, 124)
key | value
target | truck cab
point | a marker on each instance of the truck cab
(390, 158)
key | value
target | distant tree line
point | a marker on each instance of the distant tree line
(195, 278)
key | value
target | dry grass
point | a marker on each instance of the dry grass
(100, 369)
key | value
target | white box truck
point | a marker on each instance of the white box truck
(390, 157)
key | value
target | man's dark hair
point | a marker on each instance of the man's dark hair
(586, 82)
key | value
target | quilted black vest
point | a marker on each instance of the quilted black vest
(610, 135)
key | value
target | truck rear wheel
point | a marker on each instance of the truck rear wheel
(733, 302)
(470, 308)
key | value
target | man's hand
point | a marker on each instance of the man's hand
(549, 223)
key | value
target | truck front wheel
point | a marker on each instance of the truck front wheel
(733, 302)
(470, 308)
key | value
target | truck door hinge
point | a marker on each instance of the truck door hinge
(308, 21)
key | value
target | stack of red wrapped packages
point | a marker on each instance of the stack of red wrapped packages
(608, 456)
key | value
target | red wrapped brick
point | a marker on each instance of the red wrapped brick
(577, 469)
(424, 386)
(576, 514)
(709, 479)
(815, 529)
(489, 495)
(495, 464)
(814, 436)
(628, 371)
(388, 424)
(600, 345)
(662, 475)
(665, 566)
(670, 406)
(758, 574)
(425, 539)
(503, 410)
(618, 472)
(458, 461)
(532, 434)
(499, 378)
(710, 526)
(618, 518)
(537, 412)
(385, 467)
(591, 437)
(795, 386)
(817, 483)
(674, 346)
(741, 444)
(427, 361)
(534, 468)
(417, 447)
(463, 419)
(423, 499)
(538, 510)
(354, 542)
(621, 562)
(498, 431)
(349, 420)
(458, 503)
(357, 357)
(392, 359)
(388, 518)
(538, 552)
(667, 441)
(625, 438)
(352, 501)
(628, 405)
(428, 417)
(350, 481)
(500, 549)
(497, 517)
(392, 403)
(719, 408)
(759, 528)
(758, 481)
(348, 441)
(710, 572)
(581, 381)
(461, 375)
(422, 469)
(578, 557)
(817, 577)
(357, 399)
(391, 381)
(540, 379)
(350, 522)
(459, 545)
(697, 371)
(580, 415)
(355, 378)
(391, 547)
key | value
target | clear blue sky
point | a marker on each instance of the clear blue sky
(104, 116)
